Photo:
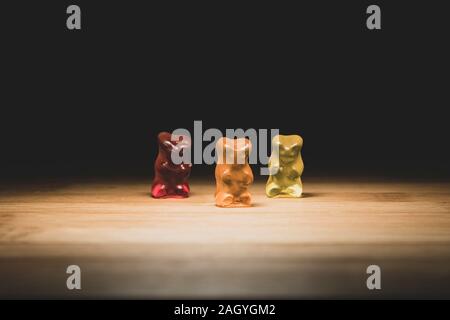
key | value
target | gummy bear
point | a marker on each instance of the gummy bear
(286, 167)
(171, 180)
(233, 173)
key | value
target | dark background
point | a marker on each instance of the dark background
(91, 102)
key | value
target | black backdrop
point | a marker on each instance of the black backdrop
(91, 102)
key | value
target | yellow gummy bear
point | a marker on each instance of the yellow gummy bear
(286, 167)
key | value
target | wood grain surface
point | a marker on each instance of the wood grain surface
(132, 246)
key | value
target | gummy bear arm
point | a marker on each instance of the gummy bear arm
(172, 168)
(251, 178)
(299, 166)
(274, 165)
(274, 162)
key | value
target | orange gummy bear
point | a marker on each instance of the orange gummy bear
(233, 173)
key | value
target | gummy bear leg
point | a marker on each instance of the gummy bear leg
(246, 199)
(159, 191)
(182, 190)
(224, 199)
(294, 190)
(273, 189)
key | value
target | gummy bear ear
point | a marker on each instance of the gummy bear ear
(164, 141)
(243, 148)
(228, 151)
(276, 139)
(220, 150)
(300, 141)
(181, 141)
(220, 146)
(296, 143)
(163, 136)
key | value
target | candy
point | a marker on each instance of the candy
(171, 179)
(233, 173)
(285, 167)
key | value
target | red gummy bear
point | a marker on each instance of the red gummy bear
(171, 180)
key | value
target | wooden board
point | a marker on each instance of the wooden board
(130, 245)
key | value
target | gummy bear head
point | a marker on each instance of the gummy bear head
(288, 147)
(233, 151)
(169, 143)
